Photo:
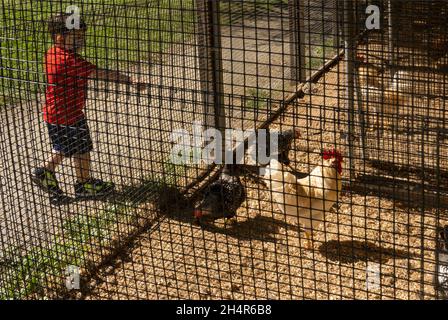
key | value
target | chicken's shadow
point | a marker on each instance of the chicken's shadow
(358, 251)
(257, 228)
(158, 199)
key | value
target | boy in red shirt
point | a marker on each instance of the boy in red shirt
(67, 76)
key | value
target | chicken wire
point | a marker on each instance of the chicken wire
(377, 96)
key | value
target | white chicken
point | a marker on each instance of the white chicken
(308, 198)
(385, 102)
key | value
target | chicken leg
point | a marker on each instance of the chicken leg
(231, 221)
(309, 239)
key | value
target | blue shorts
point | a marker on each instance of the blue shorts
(70, 139)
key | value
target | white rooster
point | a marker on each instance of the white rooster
(308, 198)
(386, 103)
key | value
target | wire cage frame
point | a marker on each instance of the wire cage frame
(109, 187)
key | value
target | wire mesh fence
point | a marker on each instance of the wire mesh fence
(114, 115)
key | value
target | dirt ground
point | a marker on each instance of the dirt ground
(131, 131)
(366, 238)
(261, 256)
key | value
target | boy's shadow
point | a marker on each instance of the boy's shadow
(133, 195)
(169, 202)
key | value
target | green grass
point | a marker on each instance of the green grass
(256, 99)
(41, 267)
(4, 100)
(112, 42)
(81, 236)
(269, 4)
(117, 36)
(248, 6)
(320, 53)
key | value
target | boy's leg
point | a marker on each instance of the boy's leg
(82, 166)
(54, 161)
(45, 176)
(81, 147)
(86, 186)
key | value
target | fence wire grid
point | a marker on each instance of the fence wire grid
(94, 204)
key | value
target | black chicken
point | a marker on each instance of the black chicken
(285, 139)
(224, 196)
(221, 198)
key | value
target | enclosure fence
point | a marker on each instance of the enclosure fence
(110, 125)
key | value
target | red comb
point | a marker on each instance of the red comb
(332, 153)
(360, 57)
(197, 213)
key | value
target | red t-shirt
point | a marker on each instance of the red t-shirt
(66, 94)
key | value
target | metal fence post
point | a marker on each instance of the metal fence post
(297, 42)
(349, 44)
(210, 62)
(336, 25)
(210, 65)
(391, 31)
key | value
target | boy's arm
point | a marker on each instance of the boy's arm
(115, 76)
(110, 75)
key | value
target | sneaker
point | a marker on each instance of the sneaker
(60, 199)
(46, 180)
(93, 188)
(441, 272)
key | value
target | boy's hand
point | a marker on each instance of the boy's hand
(111, 75)
(141, 86)
(125, 79)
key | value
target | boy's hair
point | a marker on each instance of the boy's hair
(57, 24)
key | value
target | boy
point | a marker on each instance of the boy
(67, 76)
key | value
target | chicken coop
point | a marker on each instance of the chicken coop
(354, 209)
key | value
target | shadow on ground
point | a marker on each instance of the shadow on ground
(258, 228)
(358, 251)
